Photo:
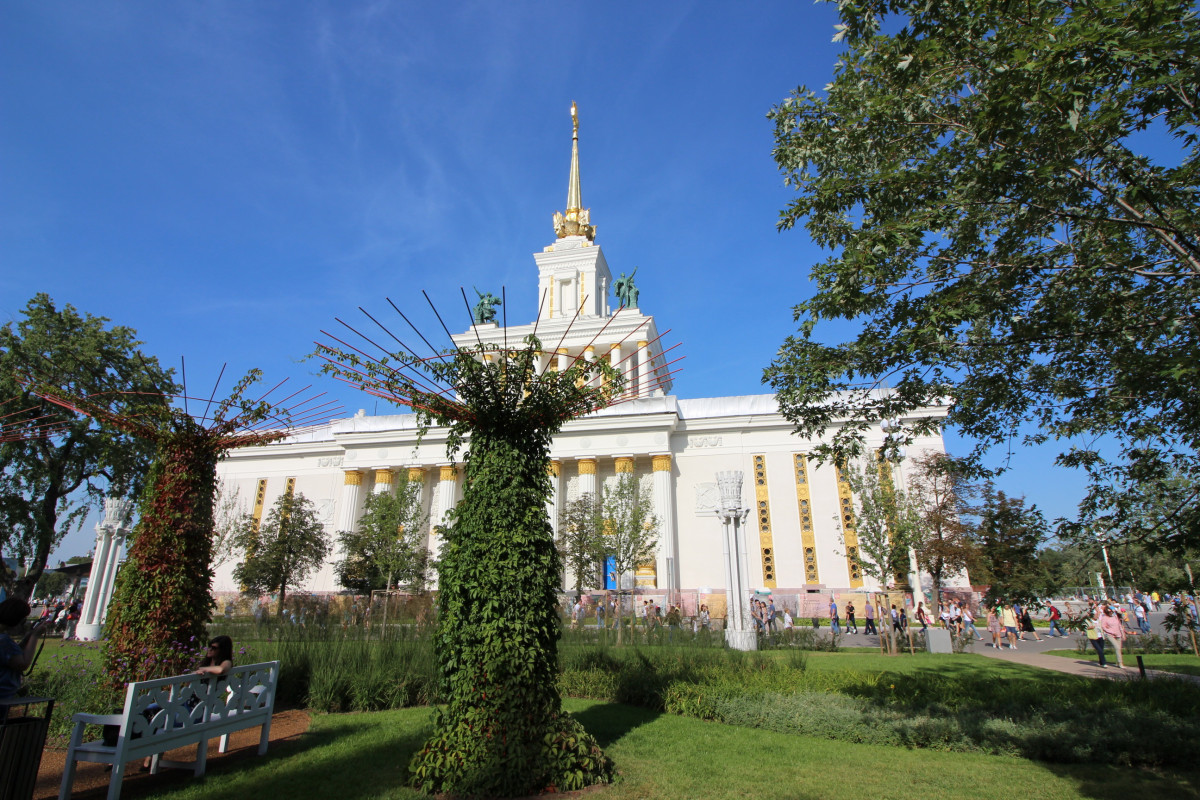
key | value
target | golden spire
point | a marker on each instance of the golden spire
(576, 220)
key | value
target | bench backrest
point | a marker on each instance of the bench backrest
(184, 702)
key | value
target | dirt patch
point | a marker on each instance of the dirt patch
(91, 780)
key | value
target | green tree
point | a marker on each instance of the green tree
(580, 543)
(1010, 194)
(1007, 537)
(630, 537)
(281, 552)
(887, 525)
(940, 493)
(48, 483)
(388, 548)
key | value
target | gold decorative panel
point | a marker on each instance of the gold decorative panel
(662, 463)
(353, 477)
(849, 529)
(762, 512)
(804, 503)
(624, 465)
(260, 498)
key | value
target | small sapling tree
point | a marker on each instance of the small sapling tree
(630, 533)
(281, 552)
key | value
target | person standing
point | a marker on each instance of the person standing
(1114, 632)
(16, 658)
(834, 626)
(969, 622)
(1008, 618)
(869, 626)
(1095, 635)
(1055, 615)
(1027, 624)
(993, 626)
(770, 610)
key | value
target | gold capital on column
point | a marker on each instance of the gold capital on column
(624, 465)
(353, 477)
(383, 476)
(416, 474)
(449, 473)
(662, 463)
(587, 466)
(555, 468)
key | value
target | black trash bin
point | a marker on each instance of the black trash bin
(24, 722)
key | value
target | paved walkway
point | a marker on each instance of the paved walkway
(1034, 653)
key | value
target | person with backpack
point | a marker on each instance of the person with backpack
(1055, 615)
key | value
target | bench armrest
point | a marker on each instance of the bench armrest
(98, 719)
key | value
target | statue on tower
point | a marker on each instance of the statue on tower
(626, 291)
(576, 221)
(485, 309)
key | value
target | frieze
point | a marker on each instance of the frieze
(329, 461)
(704, 441)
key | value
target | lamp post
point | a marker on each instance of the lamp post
(739, 634)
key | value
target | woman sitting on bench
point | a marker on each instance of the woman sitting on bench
(218, 662)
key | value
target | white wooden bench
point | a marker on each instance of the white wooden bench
(167, 713)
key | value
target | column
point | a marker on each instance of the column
(383, 480)
(664, 509)
(643, 373)
(589, 355)
(110, 574)
(614, 358)
(554, 502)
(447, 488)
(416, 477)
(587, 476)
(563, 359)
(110, 536)
(554, 505)
(104, 540)
(348, 510)
(645, 574)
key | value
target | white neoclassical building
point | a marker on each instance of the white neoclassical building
(801, 534)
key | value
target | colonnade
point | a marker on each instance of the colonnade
(662, 574)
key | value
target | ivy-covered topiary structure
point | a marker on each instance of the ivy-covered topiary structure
(502, 731)
(162, 599)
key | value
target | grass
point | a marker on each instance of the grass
(1181, 663)
(361, 756)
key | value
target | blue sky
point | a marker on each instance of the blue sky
(228, 177)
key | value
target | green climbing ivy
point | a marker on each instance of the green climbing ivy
(502, 731)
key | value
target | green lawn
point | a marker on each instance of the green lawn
(360, 756)
(1166, 662)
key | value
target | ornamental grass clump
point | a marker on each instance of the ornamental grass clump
(502, 731)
